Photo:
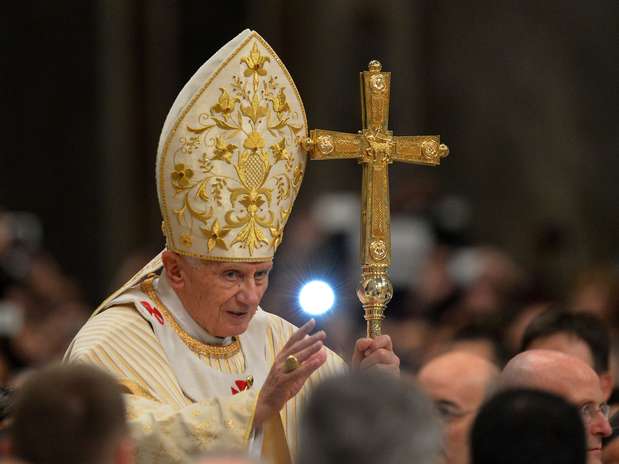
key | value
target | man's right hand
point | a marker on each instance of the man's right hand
(280, 385)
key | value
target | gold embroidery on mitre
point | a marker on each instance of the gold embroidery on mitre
(202, 349)
(235, 167)
(215, 236)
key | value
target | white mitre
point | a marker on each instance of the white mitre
(229, 165)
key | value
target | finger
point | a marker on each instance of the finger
(307, 341)
(300, 333)
(309, 351)
(380, 357)
(361, 345)
(310, 365)
(380, 342)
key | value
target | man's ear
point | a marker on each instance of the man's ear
(173, 267)
(606, 384)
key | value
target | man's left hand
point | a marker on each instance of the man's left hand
(376, 353)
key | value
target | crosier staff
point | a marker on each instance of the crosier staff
(375, 148)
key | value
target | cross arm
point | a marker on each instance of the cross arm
(326, 144)
(419, 149)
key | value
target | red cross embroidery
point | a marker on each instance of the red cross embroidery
(242, 385)
(153, 311)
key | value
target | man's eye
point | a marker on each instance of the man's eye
(448, 412)
(445, 411)
(231, 275)
(261, 275)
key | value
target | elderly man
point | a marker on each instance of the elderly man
(570, 378)
(202, 364)
(458, 383)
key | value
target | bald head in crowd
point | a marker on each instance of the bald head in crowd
(458, 383)
(570, 378)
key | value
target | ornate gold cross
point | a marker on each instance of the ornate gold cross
(375, 147)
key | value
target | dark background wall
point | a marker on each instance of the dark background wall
(524, 93)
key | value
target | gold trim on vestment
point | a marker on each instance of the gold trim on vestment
(275, 447)
(202, 349)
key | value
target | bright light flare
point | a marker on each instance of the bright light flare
(316, 297)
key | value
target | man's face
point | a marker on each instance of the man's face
(584, 390)
(589, 395)
(457, 384)
(222, 297)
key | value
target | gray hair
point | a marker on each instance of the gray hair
(364, 418)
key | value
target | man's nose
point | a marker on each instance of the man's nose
(250, 293)
(600, 426)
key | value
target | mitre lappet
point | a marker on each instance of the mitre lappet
(229, 165)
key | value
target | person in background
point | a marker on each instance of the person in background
(70, 414)
(368, 418)
(458, 383)
(570, 378)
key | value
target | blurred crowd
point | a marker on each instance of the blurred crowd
(41, 308)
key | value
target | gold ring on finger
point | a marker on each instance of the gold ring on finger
(291, 363)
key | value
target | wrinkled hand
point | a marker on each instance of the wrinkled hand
(280, 385)
(376, 353)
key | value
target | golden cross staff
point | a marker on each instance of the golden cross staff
(375, 147)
